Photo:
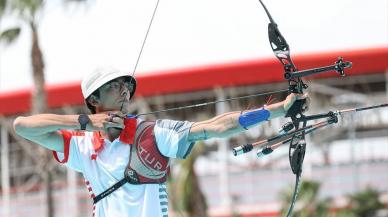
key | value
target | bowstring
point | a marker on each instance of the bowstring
(145, 38)
(213, 102)
(181, 107)
(133, 74)
(142, 47)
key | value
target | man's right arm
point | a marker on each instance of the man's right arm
(43, 129)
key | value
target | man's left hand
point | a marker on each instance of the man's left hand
(289, 101)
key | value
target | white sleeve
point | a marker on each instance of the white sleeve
(172, 138)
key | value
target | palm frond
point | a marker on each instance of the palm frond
(10, 35)
(3, 5)
(26, 9)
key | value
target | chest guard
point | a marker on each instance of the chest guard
(146, 164)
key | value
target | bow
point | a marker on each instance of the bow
(292, 132)
(296, 138)
(297, 146)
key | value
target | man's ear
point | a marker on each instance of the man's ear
(94, 100)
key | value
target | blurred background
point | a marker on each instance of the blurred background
(200, 51)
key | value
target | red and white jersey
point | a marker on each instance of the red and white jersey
(103, 163)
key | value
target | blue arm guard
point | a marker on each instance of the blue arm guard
(253, 117)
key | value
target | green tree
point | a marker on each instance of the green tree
(361, 204)
(308, 203)
(365, 203)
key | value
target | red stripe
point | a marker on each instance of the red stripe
(90, 189)
(98, 142)
(93, 156)
(365, 61)
(66, 144)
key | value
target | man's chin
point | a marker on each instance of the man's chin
(125, 108)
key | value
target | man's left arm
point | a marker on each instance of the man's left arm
(232, 123)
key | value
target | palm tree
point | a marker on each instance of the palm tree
(186, 192)
(28, 12)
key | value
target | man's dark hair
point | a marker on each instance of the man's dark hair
(92, 108)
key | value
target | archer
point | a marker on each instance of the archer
(99, 146)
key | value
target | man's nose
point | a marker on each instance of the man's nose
(125, 91)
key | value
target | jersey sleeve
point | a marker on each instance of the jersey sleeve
(71, 156)
(172, 138)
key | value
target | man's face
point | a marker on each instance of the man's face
(115, 95)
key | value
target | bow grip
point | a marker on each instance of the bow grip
(297, 108)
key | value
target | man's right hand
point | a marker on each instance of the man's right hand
(103, 121)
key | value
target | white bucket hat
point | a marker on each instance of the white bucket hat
(101, 76)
